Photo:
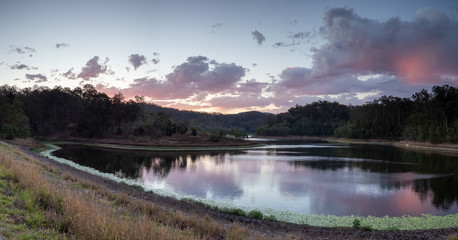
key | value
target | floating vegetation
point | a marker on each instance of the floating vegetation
(425, 221)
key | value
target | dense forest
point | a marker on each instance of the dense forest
(85, 112)
(246, 122)
(426, 116)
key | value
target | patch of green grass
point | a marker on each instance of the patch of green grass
(255, 214)
(20, 215)
(270, 218)
(394, 229)
(235, 211)
(138, 187)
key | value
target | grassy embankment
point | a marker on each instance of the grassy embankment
(37, 201)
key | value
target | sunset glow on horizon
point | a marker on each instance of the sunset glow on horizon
(233, 56)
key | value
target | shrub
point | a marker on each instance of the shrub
(255, 214)
(214, 138)
(7, 132)
(356, 223)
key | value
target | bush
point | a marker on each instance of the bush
(356, 223)
(255, 214)
(214, 138)
(7, 132)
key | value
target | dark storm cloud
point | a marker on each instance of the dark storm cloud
(259, 37)
(93, 69)
(137, 60)
(60, 45)
(38, 78)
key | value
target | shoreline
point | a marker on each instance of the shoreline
(259, 227)
(444, 148)
(155, 147)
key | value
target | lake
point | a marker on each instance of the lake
(311, 177)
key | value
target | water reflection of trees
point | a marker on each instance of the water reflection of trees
(393, 158)
(130, 163)
(443, 191)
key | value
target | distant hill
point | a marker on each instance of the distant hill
(245, 121)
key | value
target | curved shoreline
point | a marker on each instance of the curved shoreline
(157, 148)
(446, 148)
(377, 223)
(266, 228)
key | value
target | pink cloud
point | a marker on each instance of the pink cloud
(419, 51)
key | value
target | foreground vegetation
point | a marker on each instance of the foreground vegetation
(42, 203)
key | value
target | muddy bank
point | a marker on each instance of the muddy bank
(265, 228)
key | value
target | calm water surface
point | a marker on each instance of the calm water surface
(302, 176)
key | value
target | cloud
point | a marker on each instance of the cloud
(419, 51)
(259, 37)
(137, 60)
(60, 45)
(300, 35)
(198, 75)
(364, 56)
(22, 50)
(93, 69)
(69, 74)
(283, 44)
(38, 78)
(217, 25)
(155, 60)
(20, 67)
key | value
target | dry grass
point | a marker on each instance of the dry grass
(96, 213)
(452, 237)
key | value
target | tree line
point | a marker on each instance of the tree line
(85, 112)
(246, 122)
(425, 116)
(79, 112)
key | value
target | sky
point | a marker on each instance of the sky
(231, 56)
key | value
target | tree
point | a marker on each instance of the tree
(13, 121)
